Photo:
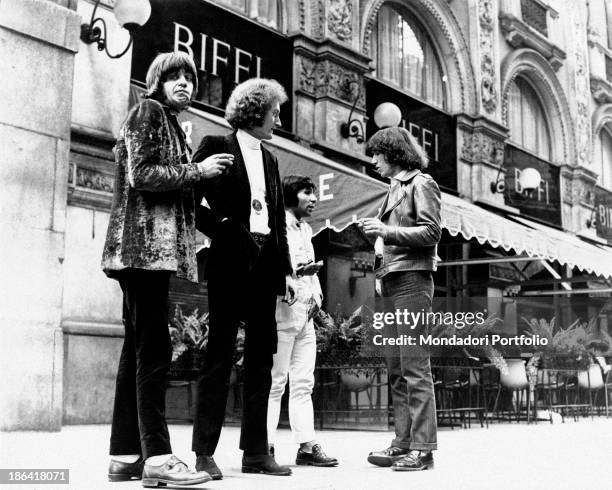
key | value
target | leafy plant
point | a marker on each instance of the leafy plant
(344, 341)
(188, 332)
(566, 347)
(473, 330)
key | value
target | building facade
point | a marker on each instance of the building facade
(489, 87)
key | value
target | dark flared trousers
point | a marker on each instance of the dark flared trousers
(139, 419)
(409, 368)
(236, 297)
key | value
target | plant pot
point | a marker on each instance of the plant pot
(516, 379)
(355, 382)
(591, 378)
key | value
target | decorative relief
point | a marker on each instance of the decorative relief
(306, 75)
(567, 189)
(302, 11)
(325, 78)
(92, 179)
(583, 121)
(477, 147)
(318, 18)
(340, 19)
(488, 84)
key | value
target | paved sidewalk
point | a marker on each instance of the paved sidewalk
(573, 455)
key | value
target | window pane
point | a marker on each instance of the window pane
(527, 119)
(236, 4)
(605, 164)
(406, 57)
(266, 12)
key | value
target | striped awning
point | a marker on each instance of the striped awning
(524, 237)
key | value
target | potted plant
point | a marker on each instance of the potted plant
(342, 343)
(189, 337)
(565, 347)
(474, 330)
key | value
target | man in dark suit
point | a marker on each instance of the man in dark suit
(242, 212)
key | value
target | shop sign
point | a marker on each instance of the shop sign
(434, 129)
(603, 213)
(544, 203)
(226, 48)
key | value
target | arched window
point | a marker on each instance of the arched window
(603, 157)
(527, 119)
(265, 11)
(406, 57)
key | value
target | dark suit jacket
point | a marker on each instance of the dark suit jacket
(229, 196)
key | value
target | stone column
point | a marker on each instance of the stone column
(38, 41)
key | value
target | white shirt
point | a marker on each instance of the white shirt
(250, 148)
(299, 238)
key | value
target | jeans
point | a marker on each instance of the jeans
(408, 367)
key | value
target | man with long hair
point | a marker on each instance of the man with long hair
(151, 235)
(409, 226)
(242, 212)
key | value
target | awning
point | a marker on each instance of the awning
(523, 236)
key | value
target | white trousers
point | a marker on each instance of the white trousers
(295, 357)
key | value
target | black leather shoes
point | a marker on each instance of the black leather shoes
(173, 472)
(265, 464)
(414, 461)
(316, 458)
(386, 457)
(207, 464)
(119, 471)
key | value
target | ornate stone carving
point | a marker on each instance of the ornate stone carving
(488, 83)
(326, 78)
(302, 13)
(94, 180)
(306, 74)
(583, 121)
(568, 196)
(340, 19)
(601, 90)
(318, 18)
(478, 147)
(520, 35)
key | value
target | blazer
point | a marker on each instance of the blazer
(152, 219)
(411, 211)
(233, 249)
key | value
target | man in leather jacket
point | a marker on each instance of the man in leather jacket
(409, 226)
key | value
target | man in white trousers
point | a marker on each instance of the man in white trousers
(297, 346)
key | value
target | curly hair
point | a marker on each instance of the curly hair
(162, 66)
(399, 148)
(251, 100)
(292, 185)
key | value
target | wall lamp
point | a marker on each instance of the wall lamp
(131, 14)
(529, 180)
(353, 128)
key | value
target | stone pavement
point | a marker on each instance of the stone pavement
(543, 456)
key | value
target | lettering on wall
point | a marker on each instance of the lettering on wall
(227, 49)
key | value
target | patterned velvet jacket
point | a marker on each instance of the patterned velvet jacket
(152, 216)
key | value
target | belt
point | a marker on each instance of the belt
(260, 239)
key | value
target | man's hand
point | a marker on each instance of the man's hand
(290, 296)
(215, 165)
(373, 227)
